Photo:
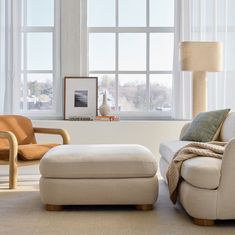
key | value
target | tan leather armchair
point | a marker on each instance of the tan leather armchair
(18, 146)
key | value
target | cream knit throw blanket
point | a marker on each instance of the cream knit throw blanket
(211, 149)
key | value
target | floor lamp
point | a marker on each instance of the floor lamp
(200, 57)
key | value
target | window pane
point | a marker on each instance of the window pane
(160, 92)
(102, 51)
(40, 91)
(40, 12)
(161, 51)
(132, 13)
(39, 51)
(161, 13)
(229, 13)
(132, 92)
(22, 90)
(101, 13)
(22, 51)
(106, 82)
(132, 51)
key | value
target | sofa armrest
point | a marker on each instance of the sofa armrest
(228, 161)
(53, 131)
(226, 189)
(13, 152)
(184, 129)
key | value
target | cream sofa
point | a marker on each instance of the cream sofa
(207, 191)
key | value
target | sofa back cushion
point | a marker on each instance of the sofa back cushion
(20, 126)
(228, 129)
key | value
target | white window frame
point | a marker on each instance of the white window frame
(147, 30)
(56, 110)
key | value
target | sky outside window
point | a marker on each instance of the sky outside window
(101, 13)
(40, 12)
(137, 18)
(39, 51)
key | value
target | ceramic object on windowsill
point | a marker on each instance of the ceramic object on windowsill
(104, 108)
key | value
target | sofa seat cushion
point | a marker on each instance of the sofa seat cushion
(169, 148)
(27, 152)
(202, 172)
(98, 161)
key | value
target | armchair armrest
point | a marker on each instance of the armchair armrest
(13, 151)
(53, 131)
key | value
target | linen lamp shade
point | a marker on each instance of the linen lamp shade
(200, 57)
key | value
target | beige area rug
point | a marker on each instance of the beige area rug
(21, 212)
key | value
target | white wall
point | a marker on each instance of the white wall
(147, 133)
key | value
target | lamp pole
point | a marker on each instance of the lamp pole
(199, 92)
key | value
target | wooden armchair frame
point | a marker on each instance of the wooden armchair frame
(13, 150)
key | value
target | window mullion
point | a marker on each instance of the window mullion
(54, 107)
(25, 87)
(57, 83)
(147, 57)
(37, 29)
(117, 53)
(128, 72)
(38, 71)
(131, 29)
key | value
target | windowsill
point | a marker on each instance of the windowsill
(122, 120)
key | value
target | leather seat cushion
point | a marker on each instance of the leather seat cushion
(202, 172)
(27, 152)
(98, 161)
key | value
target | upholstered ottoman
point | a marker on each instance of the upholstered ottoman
(98, 175)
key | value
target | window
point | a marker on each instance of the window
(39, 57)
(131, 52)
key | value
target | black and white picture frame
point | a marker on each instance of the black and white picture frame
(80, 97)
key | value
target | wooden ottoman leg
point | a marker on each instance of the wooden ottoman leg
(53, 207)
(144, 207)
(203, 222)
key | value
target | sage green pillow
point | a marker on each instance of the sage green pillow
(206, 126)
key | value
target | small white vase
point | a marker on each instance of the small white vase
(104, 108)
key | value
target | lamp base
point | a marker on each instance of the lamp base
(199, 92)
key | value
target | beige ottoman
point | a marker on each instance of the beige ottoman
(98, 175)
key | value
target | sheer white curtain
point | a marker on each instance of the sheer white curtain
(9, 52)
(205, 20)
(2, 53)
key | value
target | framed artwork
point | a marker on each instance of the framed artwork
(80, 97)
